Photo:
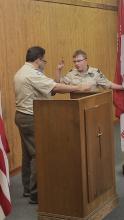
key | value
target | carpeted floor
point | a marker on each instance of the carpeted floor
(21, 209)
(118, 213)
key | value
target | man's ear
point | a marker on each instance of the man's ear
(37, 60)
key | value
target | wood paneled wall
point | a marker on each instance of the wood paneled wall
(61, 29)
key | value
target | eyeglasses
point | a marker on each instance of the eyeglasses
(78, 61)
(43, 60)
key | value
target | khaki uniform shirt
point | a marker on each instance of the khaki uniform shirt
(30, 84)
(74, 77)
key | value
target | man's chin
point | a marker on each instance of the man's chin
(79, 70)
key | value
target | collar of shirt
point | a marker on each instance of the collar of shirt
(82, 73)
(31, 65)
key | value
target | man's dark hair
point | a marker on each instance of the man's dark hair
(80, 52)
(34, 53)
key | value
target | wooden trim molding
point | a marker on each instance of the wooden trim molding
(99, 213)
(15, 171)
(116, 121)
(81, 3)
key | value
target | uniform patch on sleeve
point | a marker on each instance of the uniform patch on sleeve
(39, 73)
(91, 74)
(98, 71)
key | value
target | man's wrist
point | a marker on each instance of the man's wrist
(58, 69)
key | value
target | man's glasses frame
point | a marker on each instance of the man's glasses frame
(45, 61)
(78, 61)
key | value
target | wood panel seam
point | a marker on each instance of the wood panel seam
(83, 4)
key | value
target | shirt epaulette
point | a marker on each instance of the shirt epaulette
(98, 70)
(91, 74)
(39, 72)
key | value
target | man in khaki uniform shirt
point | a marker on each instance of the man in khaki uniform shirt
(31, 83)
(83, 73)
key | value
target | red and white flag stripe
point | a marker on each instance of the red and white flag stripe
(122, 66)
(119, 74)
(122, 131)
(5, 201)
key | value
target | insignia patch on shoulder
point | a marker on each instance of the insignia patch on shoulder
(98, 71)
(39, 73)
(91, 74)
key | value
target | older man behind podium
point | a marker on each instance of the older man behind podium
(31, 83)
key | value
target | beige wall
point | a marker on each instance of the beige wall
(61, 29)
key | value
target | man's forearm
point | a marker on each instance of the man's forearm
(117, 86)
(61, 88)
(57, 75)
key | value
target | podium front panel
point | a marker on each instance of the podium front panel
(75, 158)
(99, 151)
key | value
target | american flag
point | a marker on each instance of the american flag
(119, 75)
(5, 201)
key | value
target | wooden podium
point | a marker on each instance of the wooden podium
(75, 157)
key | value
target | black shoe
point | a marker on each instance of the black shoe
(26, 194)
(33, 202)
(33, 199)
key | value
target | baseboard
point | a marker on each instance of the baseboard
(97, 214)
(15, 171)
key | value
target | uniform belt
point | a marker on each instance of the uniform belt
(18, 112)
